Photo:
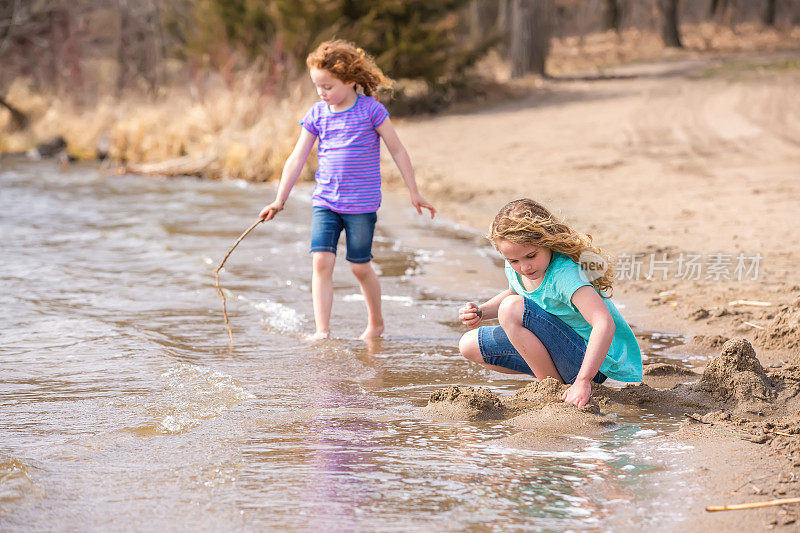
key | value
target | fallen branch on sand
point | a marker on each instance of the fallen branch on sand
(216, 275)
(755, 505)
(753, 303)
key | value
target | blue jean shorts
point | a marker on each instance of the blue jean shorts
(565, 346)
(327, 225)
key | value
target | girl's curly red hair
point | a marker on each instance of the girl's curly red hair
(349, 63)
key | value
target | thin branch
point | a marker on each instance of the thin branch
(216, 275)
(755, 505)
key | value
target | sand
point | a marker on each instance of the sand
(740, 419)
(670, 163)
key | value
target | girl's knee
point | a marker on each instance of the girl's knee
(323, 262)
(361, 270)
(510, 311)
(468, 346)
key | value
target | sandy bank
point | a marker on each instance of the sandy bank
(742, 422)
(687, 172)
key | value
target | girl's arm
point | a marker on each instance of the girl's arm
(291, 172)
(469, 315)
(594, 310)
(403, 161)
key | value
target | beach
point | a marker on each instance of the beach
(686, 171)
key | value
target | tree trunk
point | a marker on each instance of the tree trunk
(482, 18)
(612, 17)
(769, 14)
(716, 7)
(503, 25)
(669, 23)
(123, 66)
(531, 29)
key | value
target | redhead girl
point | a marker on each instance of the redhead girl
(556, 319)
(349, 126)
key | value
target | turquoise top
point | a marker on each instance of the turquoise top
(561, 279)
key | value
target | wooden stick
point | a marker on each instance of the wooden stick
(753, 303)
(736, 507)
(216, 275)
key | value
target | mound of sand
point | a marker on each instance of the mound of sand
(561, 419)
(667, 376)
(665, 369)
(732, 388)
(464, 403)
(709, 341)
(783, 331)
(538, 407)
(537, 394)
(736, 377)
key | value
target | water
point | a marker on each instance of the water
(122, 405)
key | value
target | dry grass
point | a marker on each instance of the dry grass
(250, 133)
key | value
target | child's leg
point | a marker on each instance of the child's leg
(371, 289)
(322, 293)
(359, 230)
(527, 344)
(468, 346)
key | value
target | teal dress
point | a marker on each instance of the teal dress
(562, 278)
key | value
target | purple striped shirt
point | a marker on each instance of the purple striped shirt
(349, 172)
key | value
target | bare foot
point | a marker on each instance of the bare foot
(318, 336)
(372, 332)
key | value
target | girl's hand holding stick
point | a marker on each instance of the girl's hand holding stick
(269, 211)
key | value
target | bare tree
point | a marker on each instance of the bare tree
(612, 16)
(503, 25)
(768, 17)
(669, 23)
(139, 43)
(531, 30)
(482, 18)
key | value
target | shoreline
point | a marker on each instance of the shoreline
(656, 164)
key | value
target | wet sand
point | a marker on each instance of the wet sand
(674, 164)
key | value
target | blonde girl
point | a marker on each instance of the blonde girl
(556, 318)
(348, 126)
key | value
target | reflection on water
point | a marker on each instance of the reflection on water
(123, 406)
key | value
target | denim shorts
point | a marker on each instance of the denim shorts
(327, 225)
(565, 346)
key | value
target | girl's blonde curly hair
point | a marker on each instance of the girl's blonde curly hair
(528, 222)
(349, 63)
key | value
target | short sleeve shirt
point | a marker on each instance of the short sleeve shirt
(349, 172)
(562, 278)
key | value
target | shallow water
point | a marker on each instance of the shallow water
(122, 404)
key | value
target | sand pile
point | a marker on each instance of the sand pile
(760, 407)
(667, 376)
(783, 331)
(734, 392)
(464, 403)
(545, 412)
(564, 418)
(537, 406)
(537, 394)
(736, 377)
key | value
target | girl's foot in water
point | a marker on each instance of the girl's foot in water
(372, 332)
(318, 336)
